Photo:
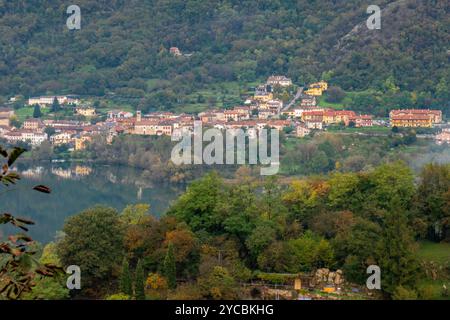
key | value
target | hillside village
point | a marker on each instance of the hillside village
(262, 110)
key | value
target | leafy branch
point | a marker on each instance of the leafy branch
(18, 265)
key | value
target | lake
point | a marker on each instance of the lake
(76, 187)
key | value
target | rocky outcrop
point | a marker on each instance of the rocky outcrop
(324, 276)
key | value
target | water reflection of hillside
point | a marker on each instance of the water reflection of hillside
(78, 187)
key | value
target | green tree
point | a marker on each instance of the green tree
(139, 283)
(133, 214)
(169, 267)
(126, 285)
(198, 206)
(309, 252)
(94, 241)
(218, 284)
(393, 180)
(395, 250)
(430, 200)
(335, 94)
(55, 105)
(49, 289)
(37, 111)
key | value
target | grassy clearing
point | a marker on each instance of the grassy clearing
(345, 103)
(367, 130)
(438, 252)
(27, 112)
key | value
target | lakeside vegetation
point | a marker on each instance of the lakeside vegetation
(218, 235)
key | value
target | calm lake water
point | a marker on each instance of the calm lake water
(75, 188)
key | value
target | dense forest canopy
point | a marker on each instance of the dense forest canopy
(123, 44)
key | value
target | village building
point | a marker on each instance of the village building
(279, 124)
(82, 141)
(337, 116)
(415, 117)
(364, 120)
(5, 121)
(61, 138)
(443, 137)
(274, 105)
(175, 51)
(33, 124)
(235, 115)
(308, 101)
(211, 116)
(263, 94)
(119, 114)
(7, 113)
(281, 81)
(152, 126)
(86, 111)
(265, 114)
(24, 135)
(5, 116)
(411, 121)
(320, 85)
(4, 129)
(302, 131)
(289, 113)
(317, 92)
(312, 116)
(317, 89)
(45, 101)
(314, 124)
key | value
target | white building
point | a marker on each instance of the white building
(281, 81)
(443, 137)
(302, 131)
(44, 101)
(34, 138)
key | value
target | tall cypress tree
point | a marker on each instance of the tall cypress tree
(169, 268)
(139, 284)
(125, 279)
(37, 111)
(395, 252)
(55, 105)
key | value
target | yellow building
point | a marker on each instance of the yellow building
(263, 97)
(329, 117)
(412, 121)
(314, 92)
(4, 121)
(80, 143)
(82, 171)
(322, 85)
(87, 112)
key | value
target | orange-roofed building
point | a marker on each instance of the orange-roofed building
(415, 117)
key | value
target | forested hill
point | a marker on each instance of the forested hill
(124, 43)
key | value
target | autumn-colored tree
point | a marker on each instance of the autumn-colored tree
(133, 214)
(218, 284)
